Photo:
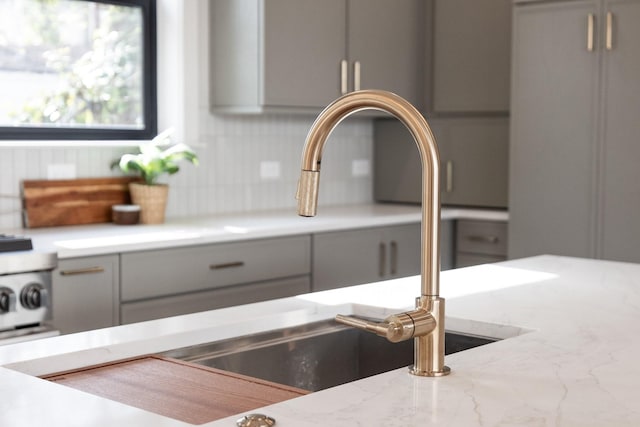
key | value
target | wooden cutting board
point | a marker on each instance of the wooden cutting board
(180, 390)
(49, 203)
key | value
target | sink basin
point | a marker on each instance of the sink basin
(314, 356)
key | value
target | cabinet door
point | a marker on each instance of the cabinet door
(403, 246)
(553, 132)
(385, 38)
(354, 257)
(621, 153)
(85, 293)
(471, 55)
(304, 44)
(474, 158)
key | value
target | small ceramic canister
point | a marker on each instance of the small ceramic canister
(125, 214)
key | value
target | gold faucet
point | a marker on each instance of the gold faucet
(426, 323)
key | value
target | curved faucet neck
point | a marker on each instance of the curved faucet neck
(429, 156)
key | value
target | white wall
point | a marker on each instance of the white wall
(231, 149)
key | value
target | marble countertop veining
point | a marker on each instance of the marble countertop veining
(568, 356)
(100, 239)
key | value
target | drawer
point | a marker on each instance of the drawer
(482, 237)
(151, 274)
(131, 312)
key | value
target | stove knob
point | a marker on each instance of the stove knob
(33, 296)
(7, 300)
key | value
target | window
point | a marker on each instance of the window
(77, 69)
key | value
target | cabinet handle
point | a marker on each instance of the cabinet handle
(609, 33)
(226, 265)
(344, 71)
(356, 75)
(484, 239)
(382, 259)
(590, 26)
(394, 257)
(449, 176)
(88, 270)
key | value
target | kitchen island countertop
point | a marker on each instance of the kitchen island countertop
(568, 356)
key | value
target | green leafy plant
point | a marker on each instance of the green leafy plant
(155, 158)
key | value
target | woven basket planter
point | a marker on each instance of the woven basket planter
(152, 200)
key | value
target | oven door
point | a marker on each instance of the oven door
(27, 334)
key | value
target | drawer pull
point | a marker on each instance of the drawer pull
(382, 259)
(590, 26)
(483, 239)
(88, 270)
(394, 257)
(226, 265)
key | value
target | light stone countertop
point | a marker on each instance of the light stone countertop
(100, 239)
(569, 356)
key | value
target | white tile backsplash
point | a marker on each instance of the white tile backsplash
(230, 149)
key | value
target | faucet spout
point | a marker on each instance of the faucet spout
(429, 339)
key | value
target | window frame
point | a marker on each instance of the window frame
(149, 98)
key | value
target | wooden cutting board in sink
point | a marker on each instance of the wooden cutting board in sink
(181, 390)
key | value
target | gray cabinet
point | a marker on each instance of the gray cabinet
(85, 293)
(471, 55)
(574, 130)
(353, 257)
(621, 135)
(177, 281)
(174, 305)
(480, 242)
(473, 161)
(299, 55)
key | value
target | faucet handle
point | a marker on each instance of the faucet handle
(395, 328)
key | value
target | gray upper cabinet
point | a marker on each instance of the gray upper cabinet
(299, 55)
(574, 150)
(473, 158)
(385, 46)
(471, 55)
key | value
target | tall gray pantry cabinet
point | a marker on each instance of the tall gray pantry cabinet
(575, 129)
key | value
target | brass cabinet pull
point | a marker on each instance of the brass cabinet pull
(590, 27)
(356, 75)
(449, 176)
(226, 265)
(394, 257)
(609, 33)
(382, 259)
(484, 239)
(344, 71)
(88, 270)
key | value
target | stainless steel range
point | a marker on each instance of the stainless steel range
(25, 290)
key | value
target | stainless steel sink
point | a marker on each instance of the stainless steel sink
(314, 356)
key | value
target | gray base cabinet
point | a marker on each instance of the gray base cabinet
(157, 308)
(177, 281)
(354, 257)
(574, 130)
(85, 294)
(480, 242)
(299, 55)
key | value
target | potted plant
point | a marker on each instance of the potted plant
(155, 158)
